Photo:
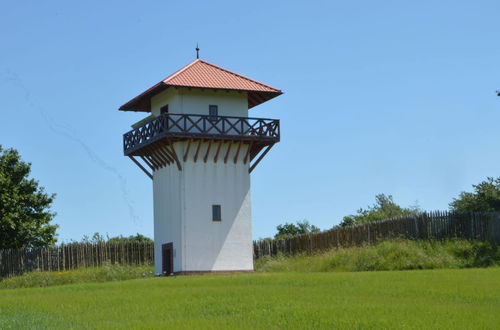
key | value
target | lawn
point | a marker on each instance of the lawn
(465, 298)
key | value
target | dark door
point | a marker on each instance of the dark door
(167, 254)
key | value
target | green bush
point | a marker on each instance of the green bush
(105, 273)
(389, 255)
(479, 254)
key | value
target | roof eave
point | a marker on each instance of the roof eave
(256, 98)
(141, 103)
(138, 102)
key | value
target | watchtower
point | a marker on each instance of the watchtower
(199, 146)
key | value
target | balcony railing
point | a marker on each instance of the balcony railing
(201, 126)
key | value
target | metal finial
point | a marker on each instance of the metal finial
(197, 51)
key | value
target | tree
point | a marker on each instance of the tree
(95, 239)
(486, 197)
(384, 208)
(137, 238)
(24, 206)
(98, 238)
(290, 229)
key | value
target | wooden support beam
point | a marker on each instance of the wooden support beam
(164, 160)
(174, 155)
(141, 167)
(186, 154)
(197, 151)
(227, 151)
(257, 147)
(154, 161)
(237, 152)
(247, 155)
(260, 158)
(208, 151)
(150, 162)
(217, 152)
(164, 149)
(165, 153)
(144, 159)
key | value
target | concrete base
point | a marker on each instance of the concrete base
(199, 272)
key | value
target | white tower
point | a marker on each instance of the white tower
(199, 147)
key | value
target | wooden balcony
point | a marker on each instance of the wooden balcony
(153, 141)
(181, 127)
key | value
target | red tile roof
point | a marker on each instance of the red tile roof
(201, 74)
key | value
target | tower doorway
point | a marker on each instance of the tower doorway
(167, 257)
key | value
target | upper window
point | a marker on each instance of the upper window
(213, 112)
(216, 213)
(164, 109)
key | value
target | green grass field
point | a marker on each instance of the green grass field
(444, 299)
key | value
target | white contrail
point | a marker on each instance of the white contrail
(68, 133)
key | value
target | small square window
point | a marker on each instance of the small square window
(164, 109)
(216, 213)
(213, 112)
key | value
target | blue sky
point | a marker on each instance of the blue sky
(392, 97)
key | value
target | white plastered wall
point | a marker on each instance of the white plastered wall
(183, 199)
(183, 210)
(196, 101)
(167, 201)
(212, 245)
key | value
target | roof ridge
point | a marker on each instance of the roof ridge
(176, 73)
(234, 74)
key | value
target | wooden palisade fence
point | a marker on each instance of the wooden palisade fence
(484, 226)
(425, 226)
(74, 255)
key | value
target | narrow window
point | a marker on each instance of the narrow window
(213, 112)
(164, 109)
(216, 213)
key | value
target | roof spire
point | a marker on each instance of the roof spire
(197, 51)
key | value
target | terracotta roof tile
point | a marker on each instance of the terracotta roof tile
(205, 75)
(201, 74)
